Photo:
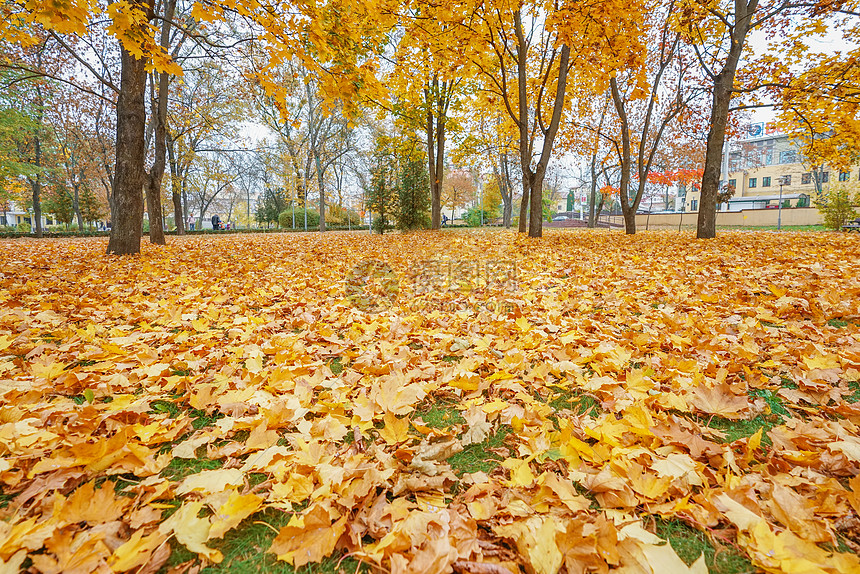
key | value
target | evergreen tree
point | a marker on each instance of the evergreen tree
(382, 195)
(413, 194)
(270, 205)
(58, 201)
(91, 208)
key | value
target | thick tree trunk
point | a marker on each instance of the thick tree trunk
(130, 174)
(524, 206)
(536, 204)
(706, 227)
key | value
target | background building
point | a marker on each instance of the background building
(757, 166)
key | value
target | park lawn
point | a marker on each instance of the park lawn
(422, 402)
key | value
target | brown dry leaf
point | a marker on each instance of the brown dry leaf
(719, 400)
(308, 538)
(586, 369)
(467, 567)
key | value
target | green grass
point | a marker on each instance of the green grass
(689, 543)
(5, 498)
(162, 406)
(476, 457)
(574, 400)
(245, 549)
(735, 430)
(855, 396)
(838, 323)
(179, 468)
(336, 366)
(441, 415)
(201, 419)
(772, 400)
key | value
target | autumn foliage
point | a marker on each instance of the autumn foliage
(337, 391)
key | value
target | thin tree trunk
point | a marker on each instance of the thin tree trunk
(156, 173)
(76, 204)
(176, 194)
(320, 182)
(130, 174)
(36, 184)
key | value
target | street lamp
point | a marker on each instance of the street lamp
(779, 214)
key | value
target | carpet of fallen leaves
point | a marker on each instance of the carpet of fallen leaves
(475, 402)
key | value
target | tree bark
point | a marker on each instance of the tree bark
(437, 97)
(76, 203)
(435, 198)
(156, 173)
(533, 178)
(320, 183)
(508, 195)
(36, 184)
(175, 189)
(706, 226)
(130, 174)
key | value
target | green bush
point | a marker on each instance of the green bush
(837, 205)
(285, 219)
(23, 227)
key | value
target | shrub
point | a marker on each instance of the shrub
(23, 227)
(837, 205)
(285, 219)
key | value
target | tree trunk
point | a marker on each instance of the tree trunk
(592, 197)
(706, 227)
(627, 209)
(176, 194)
(320, 183)
(524, 206)
(156, 173)
(506, 190)
(130, 174)
(536, 204)
(76, 204)
(435, 190)
(36, 184)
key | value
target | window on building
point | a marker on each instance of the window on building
(844, 176)
(733, 183)
(765, 182)
(734, 160)
(753, 182)
(825, 176)
(806, 178)
(694, 205)
(786, 156)
(786, 180)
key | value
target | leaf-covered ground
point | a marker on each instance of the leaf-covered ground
(471, 401)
